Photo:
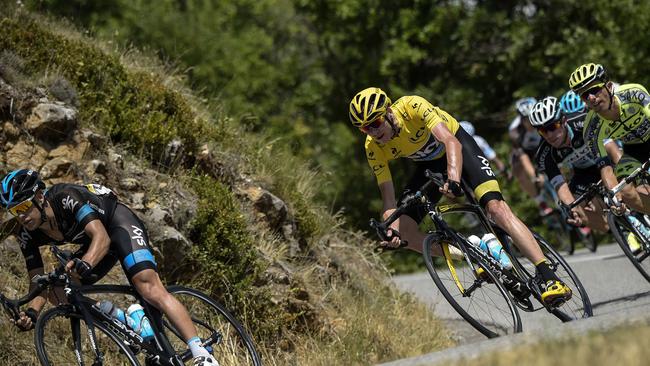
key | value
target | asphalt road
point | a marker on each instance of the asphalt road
(617, 291)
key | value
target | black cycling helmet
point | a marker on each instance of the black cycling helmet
(18, 186)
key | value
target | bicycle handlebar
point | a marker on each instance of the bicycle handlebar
(642, 169)
(382, 227)
(57, 276)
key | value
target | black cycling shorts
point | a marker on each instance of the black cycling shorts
(633, 156)
(129, 245)
(582, 179)
(477, 173)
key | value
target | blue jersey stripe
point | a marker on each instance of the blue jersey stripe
(140, 255)
(84, 211)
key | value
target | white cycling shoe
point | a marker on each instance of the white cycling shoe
(205, 361)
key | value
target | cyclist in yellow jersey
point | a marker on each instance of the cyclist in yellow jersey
(622, 114)
(413, 128)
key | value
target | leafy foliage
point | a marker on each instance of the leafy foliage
(291, 66)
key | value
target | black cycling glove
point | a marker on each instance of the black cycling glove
(454, 188)
(82, 267)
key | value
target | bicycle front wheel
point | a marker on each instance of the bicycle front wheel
(622, 230)
(55, 343)
(480, 299)
(219, 330)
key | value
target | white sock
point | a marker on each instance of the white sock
(196, 348)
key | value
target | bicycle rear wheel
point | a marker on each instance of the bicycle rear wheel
(55, 344)
(579, 306)
(226, 338)
(621, 228)
(481, 300)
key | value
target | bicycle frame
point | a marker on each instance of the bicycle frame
(159, 350)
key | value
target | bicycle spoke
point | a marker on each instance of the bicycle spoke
(56, 342)
(225, 338)
(487, 307)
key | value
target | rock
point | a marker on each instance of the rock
(159, 216)
(96, 166)
(130, 184)
(51, 121)
(56, 168)
(70, 151)
(26, 155)
(137, 201)
(273, 208)
(10, 130)
(115, 159)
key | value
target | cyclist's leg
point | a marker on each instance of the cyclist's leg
(637, 197)
(480, 178)
(409, 222)
(129, 238)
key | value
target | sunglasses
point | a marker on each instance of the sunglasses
(550, 127)
(591, 91)
(21, 208)
(374, 124)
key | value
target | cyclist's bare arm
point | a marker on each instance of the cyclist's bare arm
(453, 150)
(565, 195)
(387, 190)
(25, 322)
(99, 245)
(615, 153)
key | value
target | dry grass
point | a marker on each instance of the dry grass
(626, 345)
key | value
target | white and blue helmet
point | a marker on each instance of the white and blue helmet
(545, 111)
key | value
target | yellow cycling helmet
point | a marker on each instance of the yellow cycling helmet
(586, 74)
(367, 106)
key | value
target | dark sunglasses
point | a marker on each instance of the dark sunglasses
(550, 127)
(21, 208)
(591, 91)
(374, 124)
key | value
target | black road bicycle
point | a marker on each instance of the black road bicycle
(621, 224)
(477, 286)
(77, 332)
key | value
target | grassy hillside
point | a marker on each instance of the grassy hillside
(313, 295)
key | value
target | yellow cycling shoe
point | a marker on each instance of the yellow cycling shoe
(556, 293)
(633, 243)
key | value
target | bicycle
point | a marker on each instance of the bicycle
(108, 341)
(477, 282)
(621, 224)
(567, 235)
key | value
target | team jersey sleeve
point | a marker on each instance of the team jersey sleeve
(432, 116)
(547, 165)
(377, 161)
(76, 207)
(29, 249)
(595, 134)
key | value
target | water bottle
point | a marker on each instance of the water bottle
(640, 227)
(478, 243)
(496, 250)
(140, 321)
(113, 310)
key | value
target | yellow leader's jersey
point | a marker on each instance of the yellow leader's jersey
(415, 117)
(632, 126)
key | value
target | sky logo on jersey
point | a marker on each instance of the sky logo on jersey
(69, 203)
(24, 238)
(137, 236)
(486, 166)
